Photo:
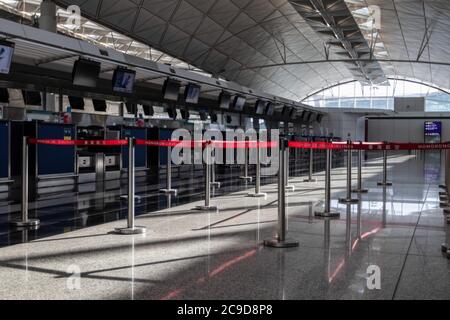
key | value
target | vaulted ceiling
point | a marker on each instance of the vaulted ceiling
(250, 41)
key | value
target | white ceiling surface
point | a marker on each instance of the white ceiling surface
(218, 35)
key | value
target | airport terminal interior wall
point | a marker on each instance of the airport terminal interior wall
(403, 130)
(342, 125)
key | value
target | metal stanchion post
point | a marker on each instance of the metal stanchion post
(214, 183)
(348, 199)
(384, 182)
(169, 189)
(327, 208)
(258, 193)
(131, 228)
(359, 188)
(246, 177)
(280, 241)
(311, 167)
(286, 168)
(207, 206)
(25, 222)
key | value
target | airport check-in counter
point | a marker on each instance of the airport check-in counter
(51, 168)
(5, 159)
(97, 163)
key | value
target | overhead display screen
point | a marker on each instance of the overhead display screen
(171, 89)
(6, 54)
(123, 80)
(433, 128)
(192, 93)
(433, 131)
(85, 73)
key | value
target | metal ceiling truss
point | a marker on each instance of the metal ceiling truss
(334, 22)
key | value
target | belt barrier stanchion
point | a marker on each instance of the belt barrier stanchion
(258, 193)
(131, 228)
(207, 206)
(311, 167)
(385, 182)
(25, 222)
(359, 188)
(286, 170)
(348, 199)
(246, 177)
(169, 189)
(214, 183)
(327, 213)
(280, 241)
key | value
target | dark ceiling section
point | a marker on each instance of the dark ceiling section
(334, 22)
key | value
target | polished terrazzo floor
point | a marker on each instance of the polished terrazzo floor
(192, 255)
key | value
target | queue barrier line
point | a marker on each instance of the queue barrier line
(158, 143)
(374, 146)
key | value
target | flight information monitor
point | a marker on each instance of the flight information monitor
(6, 55)
(433, 131)
(123, 80)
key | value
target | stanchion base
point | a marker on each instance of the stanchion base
(249, 179)
(129, 231)
(290, 188)
(275, 243)
(30, 223)
(384, 184)
(310, 180)
(257, 195)
(206, 208)
(169, 191)
(443, 204)
(327, 215)
(125, 198)
(348, 201)
(443, 193)
(442, 186)
(360, 191)
(444, 247)
(215, 184)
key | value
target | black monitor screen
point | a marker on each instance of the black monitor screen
(203, 116)
(148, 110)
(192, 93)
(172, 113)
(224, 100)
(131, 108)
(319, 118)
(99, 105)
(239, 103)
(123, 80)
(171, 90)
(185, 114)
(32, 98)
(213, 117)
(4, 95)
(310, 117)
(85, 73)
(6, 55)
(76, 103)
(260, 107)
(286, 111)
(270, 109)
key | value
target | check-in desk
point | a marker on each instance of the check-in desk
(5, 159)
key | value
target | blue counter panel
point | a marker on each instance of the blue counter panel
(4, 149)
(140, 151)
(55, 159)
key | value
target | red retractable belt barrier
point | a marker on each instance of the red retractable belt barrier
(61, 142)
(369, 146)
(157, 143)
